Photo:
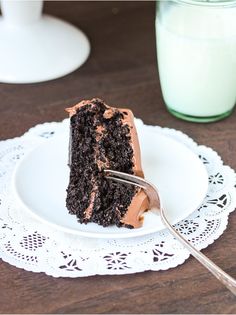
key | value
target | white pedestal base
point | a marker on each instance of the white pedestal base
(44, 50)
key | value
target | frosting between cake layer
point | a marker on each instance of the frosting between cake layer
(89, 210)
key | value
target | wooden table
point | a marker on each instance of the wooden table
(122, 70)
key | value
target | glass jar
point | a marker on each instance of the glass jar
(196, 50)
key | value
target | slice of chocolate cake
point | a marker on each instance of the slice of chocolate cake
(103, 137)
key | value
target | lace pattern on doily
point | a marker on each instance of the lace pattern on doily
(27, 243)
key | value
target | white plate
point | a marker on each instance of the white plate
(41, 179)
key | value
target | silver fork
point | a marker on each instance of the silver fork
(155, 203)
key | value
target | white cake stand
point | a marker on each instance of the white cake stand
(36, 47)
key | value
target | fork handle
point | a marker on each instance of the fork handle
(221, 275)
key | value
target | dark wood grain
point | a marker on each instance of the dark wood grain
(122, 70)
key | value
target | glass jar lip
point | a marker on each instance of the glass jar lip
(208, 3)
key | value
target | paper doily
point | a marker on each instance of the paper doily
(28, 244)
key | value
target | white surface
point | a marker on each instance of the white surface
(34, 49)
(42, 178)
(21, 12)
(27, 243)
(197, 58)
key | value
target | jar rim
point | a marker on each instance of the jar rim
(209, 3)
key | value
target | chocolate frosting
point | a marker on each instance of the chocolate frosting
(140, 203)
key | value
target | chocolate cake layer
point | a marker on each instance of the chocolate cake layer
(103, 137)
